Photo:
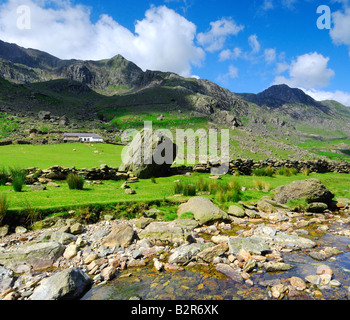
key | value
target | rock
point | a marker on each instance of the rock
(38, 187)
(20, 230)
(53, 184)
(311, 190)
(108, 273)
(266, 207)
(313, 279)
(58, 236)
(166, 233)
(70, 252)
(236, 211)
(6, 279)
(76, 228)
(69, 284)
(297, 283)
(4, 231)
(273, 266)
(159, 266)
(229, 272)
(143, 222)
(283, 238)
(123, 234)
(184, 254)
(90, 258)
(251, 244)
(317, 207)
(44, 115)
(208, 255)
(203, 209)
(130, 191)
(278, 291)
(38, 256)
(252, 213)
(155, 164)
(324, 269)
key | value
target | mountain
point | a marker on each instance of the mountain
(115, 94)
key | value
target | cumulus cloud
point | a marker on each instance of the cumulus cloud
(230, 54)
(319, 95)
(215, 38)
(163, 40)
(309, 71)
(340, 33)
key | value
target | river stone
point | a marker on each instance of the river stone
(58, 236)
(311, 190)
(229, 272)
(203, 209)
(36, 256)
(69, 284)
(4, 231)
(208, 255)
(184, 254)
(162, 148)
(6, 279)
(274, 236)
(166, 233)
(251, 244)
(236, 211)
(273, 266)
(317, 207)
(122, 234)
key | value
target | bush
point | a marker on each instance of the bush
(178, 188)
(18, 178)
(3, 207)
(189, 190)
(226, 191)
(75, 181)
(4, 176)
(202, 185)
(263, 172)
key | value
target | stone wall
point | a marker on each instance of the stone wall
(247, 166)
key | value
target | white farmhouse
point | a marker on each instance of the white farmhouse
(82, 137)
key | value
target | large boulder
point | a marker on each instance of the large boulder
(311, 190)
(69, 284)
(32, 257)
(155, 160)
(203, 209)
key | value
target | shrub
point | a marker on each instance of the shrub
(18, 178)
(263, 172)
(75, 181)
(202, 185)
(3, 207)
(4, 176)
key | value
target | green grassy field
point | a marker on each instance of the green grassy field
(46, 156)
(146, 190)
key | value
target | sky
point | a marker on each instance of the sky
(244, 46)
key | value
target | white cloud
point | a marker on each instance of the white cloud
(254, 43)
(340, 33)
(230, 54)
(215, 38)
(308, 71)
(340, 96)
(270, 55)
(163, 40)
(231, 74)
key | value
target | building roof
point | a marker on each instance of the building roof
(82, 135)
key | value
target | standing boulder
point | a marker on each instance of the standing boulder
(150, 154)
(311, 190)
(44, 115)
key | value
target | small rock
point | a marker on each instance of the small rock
(313, 279)
(297, 283)
(77, 228)
(159, 266)
(21, 230)
(108, 273)
(70, 252)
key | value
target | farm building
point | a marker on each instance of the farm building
(82, 137)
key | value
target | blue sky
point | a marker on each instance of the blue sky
(244, 46)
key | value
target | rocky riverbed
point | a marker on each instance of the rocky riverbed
(273, 254)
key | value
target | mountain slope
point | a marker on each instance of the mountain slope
(115, 94)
